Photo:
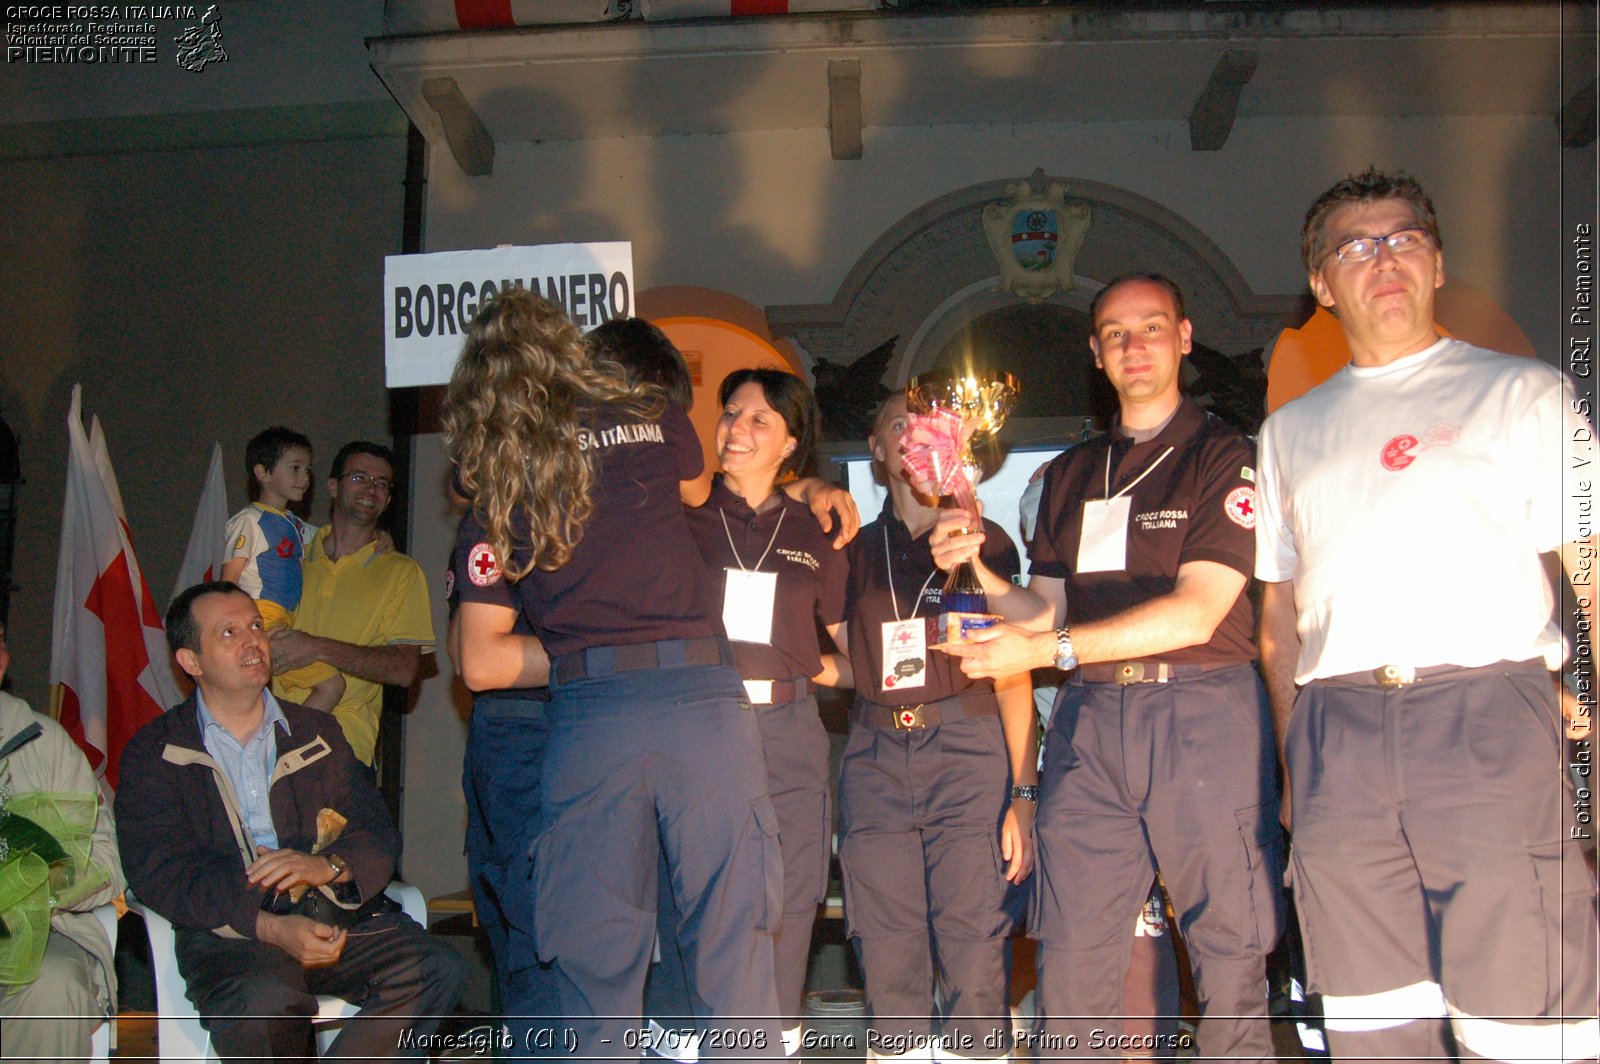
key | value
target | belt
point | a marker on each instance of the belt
(925, 714)
(1124, 673)
(1406, 675)
(776, 692)
(593, 662)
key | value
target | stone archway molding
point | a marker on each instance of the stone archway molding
(903, 284)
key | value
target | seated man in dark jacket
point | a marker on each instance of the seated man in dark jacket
(233, 803)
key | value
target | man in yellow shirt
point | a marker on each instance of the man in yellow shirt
(362, 612)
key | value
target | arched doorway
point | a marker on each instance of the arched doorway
(930, 284)
(1044, 344)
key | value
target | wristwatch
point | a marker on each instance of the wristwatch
(1066, 657)
(339, 867)
(1027, 792)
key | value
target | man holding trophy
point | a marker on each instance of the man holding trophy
(1159, 754)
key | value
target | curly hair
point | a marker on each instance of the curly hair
(513, 422)
(1369, 186)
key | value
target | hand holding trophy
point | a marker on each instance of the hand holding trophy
(949, 414)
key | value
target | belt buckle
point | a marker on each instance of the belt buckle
(1130, 672)
(909, 718)
(1394, 675)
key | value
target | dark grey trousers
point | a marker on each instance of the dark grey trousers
(1178, 776)
(1435, 872)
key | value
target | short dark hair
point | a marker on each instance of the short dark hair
(1369, 186)
(1160, 280)
(266, 448)
(376, 450)
(646, 356)
(182, 631)
(789, 396)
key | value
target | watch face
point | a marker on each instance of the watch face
(1066, 658)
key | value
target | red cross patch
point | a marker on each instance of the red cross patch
(483, 568)
(1240, 506)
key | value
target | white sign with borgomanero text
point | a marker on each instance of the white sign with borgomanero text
(429, 299)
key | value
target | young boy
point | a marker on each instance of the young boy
(266, 544)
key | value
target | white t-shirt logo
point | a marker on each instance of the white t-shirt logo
(1399, 452)
(1404, 448)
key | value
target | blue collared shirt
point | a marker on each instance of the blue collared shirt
(248, 766)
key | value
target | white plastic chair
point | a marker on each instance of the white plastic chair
(179, 1036)
(105, 1035)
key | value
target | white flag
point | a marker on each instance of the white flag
(109, 669)
(203, 557)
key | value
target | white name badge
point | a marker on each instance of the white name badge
(1103, 541)
(747, 604)
(905, 654)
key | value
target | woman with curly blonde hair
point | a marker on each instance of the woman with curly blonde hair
(513, 426)
(576, 480)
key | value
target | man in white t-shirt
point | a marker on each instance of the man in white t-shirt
(1404, 508)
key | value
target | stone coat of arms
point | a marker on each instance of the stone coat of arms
(1035, 236)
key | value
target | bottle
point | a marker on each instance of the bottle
(965, 606)
(963, 591)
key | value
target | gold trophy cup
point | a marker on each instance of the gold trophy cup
(983, 399)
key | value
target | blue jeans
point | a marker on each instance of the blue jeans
(506, 741)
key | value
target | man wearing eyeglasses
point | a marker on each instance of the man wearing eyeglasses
(363, 612)
(1404, 508)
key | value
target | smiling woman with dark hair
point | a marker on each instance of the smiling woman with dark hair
(773, 575)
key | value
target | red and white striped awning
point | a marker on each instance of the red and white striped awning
(443, 16)
(665, 9)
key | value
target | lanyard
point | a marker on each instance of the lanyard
(1148, 470)
(888, 567)
(724, 515)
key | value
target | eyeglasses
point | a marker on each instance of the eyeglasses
(1401, 242)
(358, 479)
